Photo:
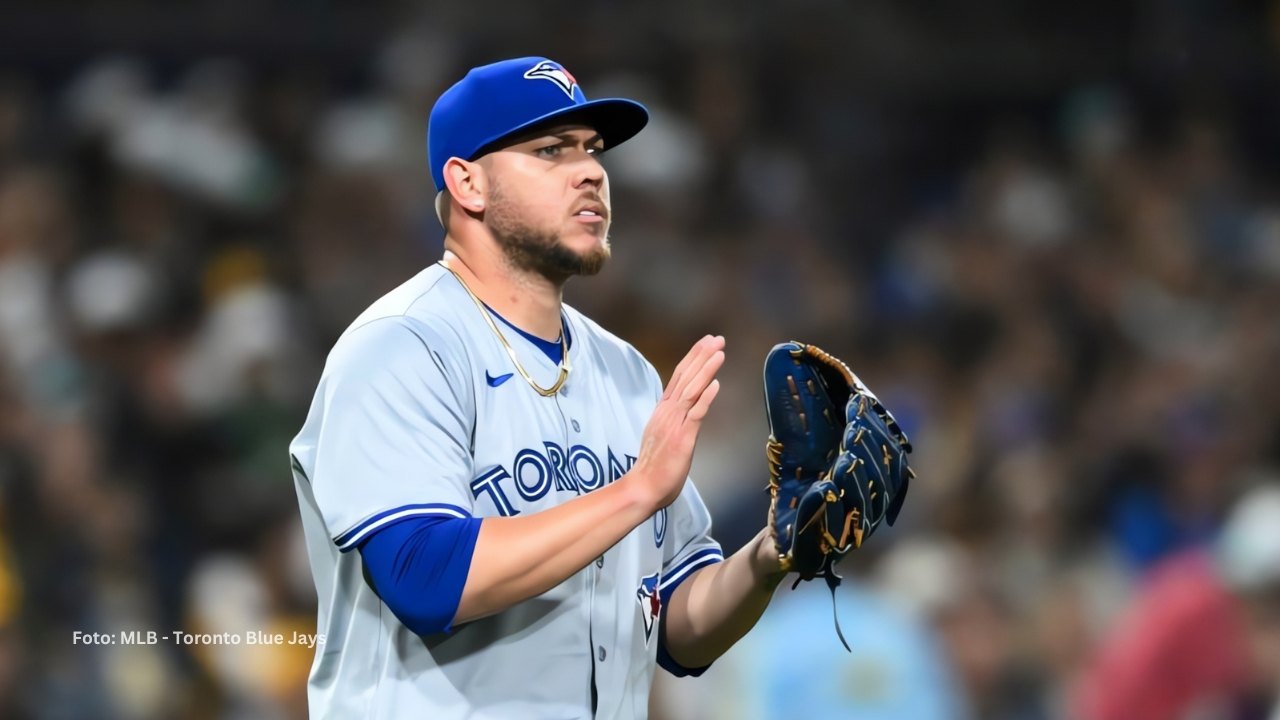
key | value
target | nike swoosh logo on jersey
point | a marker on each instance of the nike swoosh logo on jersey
(496, 381)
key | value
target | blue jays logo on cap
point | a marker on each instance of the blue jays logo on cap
(495, 103)
(547, 70)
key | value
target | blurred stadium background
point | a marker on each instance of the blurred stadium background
(1048, 235)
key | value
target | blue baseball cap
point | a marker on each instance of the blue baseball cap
(493, 103)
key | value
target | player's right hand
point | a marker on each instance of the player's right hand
(666, 448)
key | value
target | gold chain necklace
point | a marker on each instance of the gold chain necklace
(488, 318)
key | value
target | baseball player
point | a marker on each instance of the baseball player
(494, 488)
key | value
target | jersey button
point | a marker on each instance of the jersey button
(600, 653)
(600, 562)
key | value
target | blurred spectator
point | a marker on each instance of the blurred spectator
(1201, 637)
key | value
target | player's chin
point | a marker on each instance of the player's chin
(593, 260)
(590, 253)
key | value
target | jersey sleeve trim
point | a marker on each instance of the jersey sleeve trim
(677, 574)
(349, 539)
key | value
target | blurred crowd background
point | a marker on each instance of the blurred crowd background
(1047, 234)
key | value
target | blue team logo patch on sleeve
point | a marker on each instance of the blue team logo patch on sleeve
(650, 604)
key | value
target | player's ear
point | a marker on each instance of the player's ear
(465, 182)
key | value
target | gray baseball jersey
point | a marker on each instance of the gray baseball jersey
(418, 413)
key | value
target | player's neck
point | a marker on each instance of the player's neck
(527, 300)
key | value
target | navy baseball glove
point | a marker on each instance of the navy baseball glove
(837, 460)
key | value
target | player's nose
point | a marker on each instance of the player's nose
(588, 171)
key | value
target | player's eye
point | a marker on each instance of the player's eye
(550, 151)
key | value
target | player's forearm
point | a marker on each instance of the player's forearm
(719, 603)
(517, 558)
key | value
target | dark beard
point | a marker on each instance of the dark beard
(530, 249)
(543, 253)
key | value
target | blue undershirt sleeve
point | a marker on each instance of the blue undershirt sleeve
(418, 567)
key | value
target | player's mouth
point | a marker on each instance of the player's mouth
(591, 212)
